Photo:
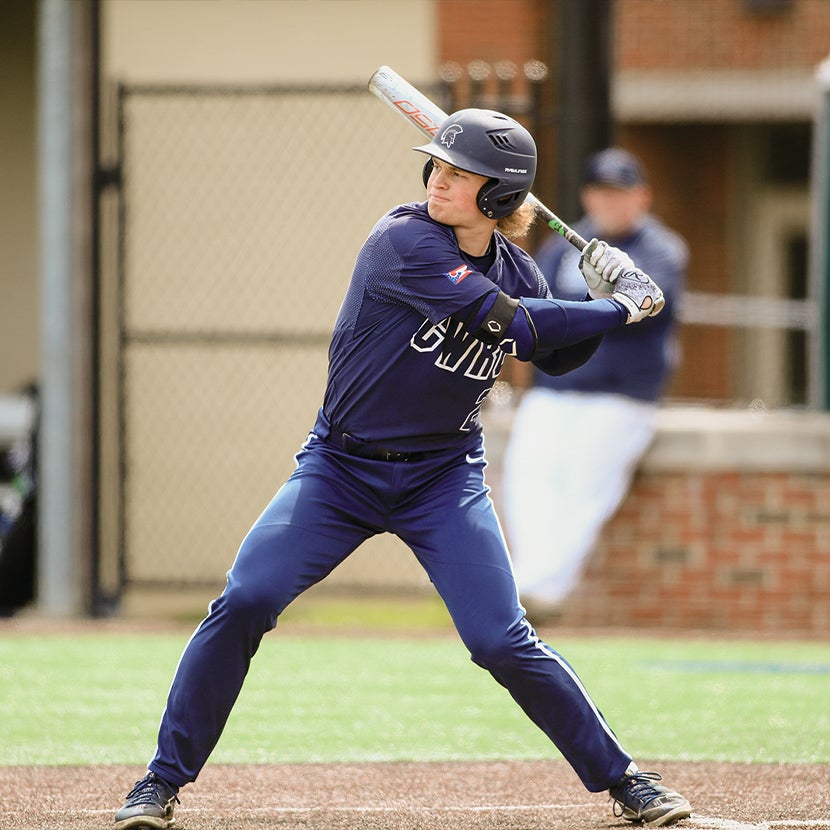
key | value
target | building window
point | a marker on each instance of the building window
(767, 6)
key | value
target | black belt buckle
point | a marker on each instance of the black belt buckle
(349, 444)
(355, 447)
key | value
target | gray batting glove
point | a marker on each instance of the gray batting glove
(601, 265)
(639, 293)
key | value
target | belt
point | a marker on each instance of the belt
(363, 449)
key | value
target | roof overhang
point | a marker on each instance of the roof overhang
(714, 96)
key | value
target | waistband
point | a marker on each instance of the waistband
(364, 449)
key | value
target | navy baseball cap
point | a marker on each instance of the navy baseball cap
(614, 168)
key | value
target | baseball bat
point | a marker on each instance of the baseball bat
(427, 116)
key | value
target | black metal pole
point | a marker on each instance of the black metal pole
(585, 124)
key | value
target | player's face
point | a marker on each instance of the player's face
(451, 196)
(615, 212)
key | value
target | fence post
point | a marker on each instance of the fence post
(820, 256)
(64, 533)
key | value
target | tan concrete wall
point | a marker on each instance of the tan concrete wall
(19, 319)
(246, 41)
(276, 41)
(284, 41)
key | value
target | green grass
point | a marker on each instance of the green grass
(97, 698)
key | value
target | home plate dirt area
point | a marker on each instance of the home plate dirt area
(493, 795)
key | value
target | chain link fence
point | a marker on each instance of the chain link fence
(242, 213)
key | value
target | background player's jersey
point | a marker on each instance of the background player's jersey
(401, 373)
(635, 361)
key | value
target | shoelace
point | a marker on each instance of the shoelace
(640, 787)
(148, 791)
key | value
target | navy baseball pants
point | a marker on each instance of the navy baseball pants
(440, 507)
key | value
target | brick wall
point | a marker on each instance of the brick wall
(667, 35)
(492, 30)
(661, 35)
(725, 551)
(726, 527)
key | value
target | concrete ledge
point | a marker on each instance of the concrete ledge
(702, 438)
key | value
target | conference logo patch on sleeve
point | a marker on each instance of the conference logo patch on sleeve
(457, 274)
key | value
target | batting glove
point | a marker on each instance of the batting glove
(601, 265)
(639, 293)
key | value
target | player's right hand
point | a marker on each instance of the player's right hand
(638, 292)
(601, 265)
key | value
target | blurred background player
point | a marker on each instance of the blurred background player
(563, 477)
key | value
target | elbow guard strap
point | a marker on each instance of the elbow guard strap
(496, 319)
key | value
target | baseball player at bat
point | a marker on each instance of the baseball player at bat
(438, 297)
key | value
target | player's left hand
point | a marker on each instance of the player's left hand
(640, 295)
(601, 264)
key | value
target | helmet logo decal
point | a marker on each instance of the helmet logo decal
(448, 136)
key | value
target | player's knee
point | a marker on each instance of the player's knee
(261, 582)
(501, 647)
(491, 652)
(247, 600)
(247, 610)
(252, 600)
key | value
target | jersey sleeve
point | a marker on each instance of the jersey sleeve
(421, 266)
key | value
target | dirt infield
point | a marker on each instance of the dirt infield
(524, 795)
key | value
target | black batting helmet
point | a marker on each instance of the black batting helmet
(490, 144)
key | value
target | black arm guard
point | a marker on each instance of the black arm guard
(498, 319)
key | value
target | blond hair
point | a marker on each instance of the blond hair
(517, 225)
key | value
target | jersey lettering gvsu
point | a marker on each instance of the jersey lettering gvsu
(402, 373)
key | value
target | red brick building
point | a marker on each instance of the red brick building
(726, 526)
(718, 98)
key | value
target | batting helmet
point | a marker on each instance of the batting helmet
(490, 144)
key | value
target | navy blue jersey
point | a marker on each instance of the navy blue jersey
(401, 373)
(637, 360)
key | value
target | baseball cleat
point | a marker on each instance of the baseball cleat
(149, 805)
(637, 797)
